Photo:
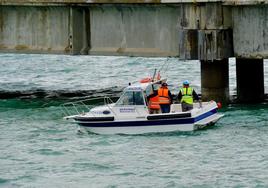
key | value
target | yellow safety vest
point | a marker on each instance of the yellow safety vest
(187, 95)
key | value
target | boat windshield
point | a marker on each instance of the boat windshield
(151, 89)
(131, 98)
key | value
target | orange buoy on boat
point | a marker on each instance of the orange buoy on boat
(146, 80)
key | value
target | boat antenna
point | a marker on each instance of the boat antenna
(163, 65)
(167, 65)
(154, 74)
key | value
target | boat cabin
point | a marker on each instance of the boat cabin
(132, 96)
(134, 99)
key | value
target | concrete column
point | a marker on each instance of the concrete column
(215, 80)
(250, 80)
(86, 32)
(76, 30)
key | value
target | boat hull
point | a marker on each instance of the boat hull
(152, 126)
(139, 129)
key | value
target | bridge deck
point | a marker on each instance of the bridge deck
(67, 2)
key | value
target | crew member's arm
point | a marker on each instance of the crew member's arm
(195, 96)
(179, 96)
(170, 96)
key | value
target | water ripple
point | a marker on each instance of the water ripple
(39, 149)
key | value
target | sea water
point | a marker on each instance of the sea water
(39, 149)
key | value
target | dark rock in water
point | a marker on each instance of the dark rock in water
(60, 94)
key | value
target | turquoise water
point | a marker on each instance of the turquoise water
(39, 149)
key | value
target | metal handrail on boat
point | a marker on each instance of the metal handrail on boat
(77, 105)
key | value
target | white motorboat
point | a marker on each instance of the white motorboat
(130, 114)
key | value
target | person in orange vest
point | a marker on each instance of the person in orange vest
(153, 104)
(165, 98)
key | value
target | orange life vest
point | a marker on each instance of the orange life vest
(163, 96)
(154, 103)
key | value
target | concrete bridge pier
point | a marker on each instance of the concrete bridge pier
(206, 34)
(79, 31)
(215, 80)
(250, 80)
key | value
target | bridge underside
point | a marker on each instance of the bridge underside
(210, 32)
(135, 30)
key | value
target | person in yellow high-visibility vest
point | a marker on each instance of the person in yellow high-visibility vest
(186, 96)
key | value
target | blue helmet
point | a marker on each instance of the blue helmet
(186, 82)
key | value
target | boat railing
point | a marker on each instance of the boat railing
(83, 106)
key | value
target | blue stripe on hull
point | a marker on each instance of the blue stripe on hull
(148, 122)
(205, 115)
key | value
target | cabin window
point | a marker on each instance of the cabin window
(151, 89)
(131, 98)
